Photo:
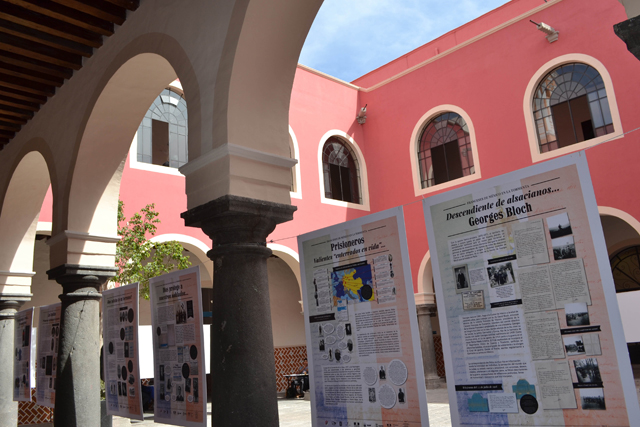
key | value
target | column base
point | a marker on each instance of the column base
(435, 383)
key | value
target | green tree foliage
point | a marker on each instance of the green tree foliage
(137, 258)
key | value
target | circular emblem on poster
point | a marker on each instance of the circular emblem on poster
(124, 373)
(130, 366)
(122, 334)
(398, 372)
(110, 348)
(366, 292)
(387, 396)
(130, 315)
(193, 352)
(185, 370)
(529, 404)
(370, 375)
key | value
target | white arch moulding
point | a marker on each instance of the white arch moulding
(630, 220)
(292, 259)
(364, 180)
(295, 154)
(414, 145)
(527, 107)
(426, 294)
(198, 248)
(20, 210)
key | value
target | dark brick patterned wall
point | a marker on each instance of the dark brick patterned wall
(288, 361)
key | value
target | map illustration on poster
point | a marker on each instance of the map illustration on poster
(22, 358)
(363, 345)
(121, 360)
(47, 354)
(530, 322)
(180, 385)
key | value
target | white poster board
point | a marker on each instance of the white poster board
(47, 354)
(543, 343)
(180, 385)
(121, 351)
(363, 344)
(22, 361)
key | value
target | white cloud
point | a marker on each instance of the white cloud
(349, 38)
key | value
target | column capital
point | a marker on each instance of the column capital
(74, 277)
(233, 220)
(629, 32)
(430, 310)
(11, 303)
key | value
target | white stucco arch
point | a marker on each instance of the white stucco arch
(196, 247)
(295, 154)
(629, 240)
(290, 257)
(426, 292)
(20, 210)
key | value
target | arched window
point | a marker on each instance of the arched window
(570, 106)
(444, 150)
(625, 267)
(162, 135)
(341, 172)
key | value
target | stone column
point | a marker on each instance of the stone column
(629, 32)
(242, 359)
(9, 305)
(78, 368)
(431, 378)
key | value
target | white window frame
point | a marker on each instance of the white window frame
(618, 132)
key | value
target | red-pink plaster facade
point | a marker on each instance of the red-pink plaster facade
(482, 68)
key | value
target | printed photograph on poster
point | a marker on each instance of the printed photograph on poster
(587, 371)
(563, 248)
(501, 274)
(559, 225)
(473, 300)
(573, 345)
(577, 314)
(582, 344)
(592, 398)
(401, 396)
(461, 273)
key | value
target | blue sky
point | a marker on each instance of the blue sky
(349, 38)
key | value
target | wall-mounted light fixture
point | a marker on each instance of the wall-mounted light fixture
(552, 34)
(362, 115)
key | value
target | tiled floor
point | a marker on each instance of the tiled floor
(297, 413)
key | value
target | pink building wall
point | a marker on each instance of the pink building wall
(486, 78)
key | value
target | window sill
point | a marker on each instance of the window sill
(536, 156)
(134, 164)
(419, 191)
(333, 202)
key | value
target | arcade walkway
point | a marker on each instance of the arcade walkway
(297, 413)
